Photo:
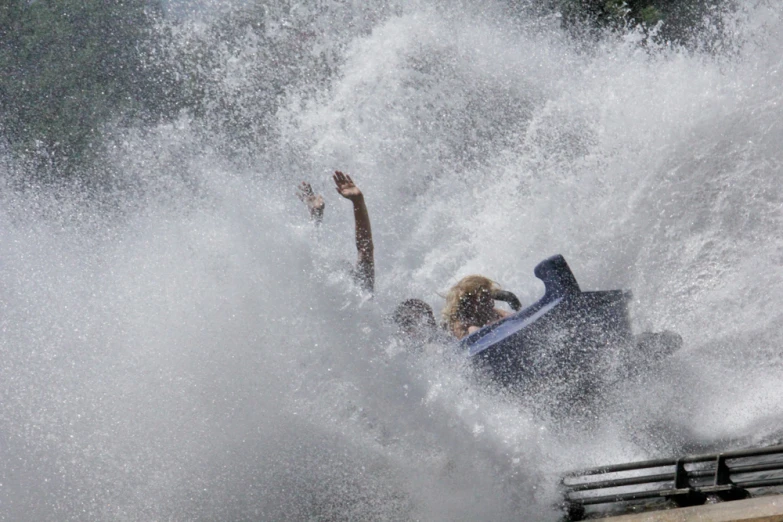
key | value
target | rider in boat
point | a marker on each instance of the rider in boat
(364, 273)
(470, 305)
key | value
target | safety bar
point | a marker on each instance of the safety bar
(687, 481)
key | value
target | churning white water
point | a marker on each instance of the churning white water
(188, 347)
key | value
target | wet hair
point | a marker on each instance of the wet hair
(462, 297)
(413, 313)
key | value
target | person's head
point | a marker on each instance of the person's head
(414, 318)
(470, 302)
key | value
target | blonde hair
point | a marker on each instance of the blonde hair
(460, 296)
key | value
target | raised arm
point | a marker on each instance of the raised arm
(315, 202)
(365, 266)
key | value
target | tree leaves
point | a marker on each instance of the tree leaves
(66, 68)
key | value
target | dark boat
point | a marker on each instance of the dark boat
(569, 340)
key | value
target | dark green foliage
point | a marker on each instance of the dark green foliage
(682, 20)
(72, 69)
(69, 66)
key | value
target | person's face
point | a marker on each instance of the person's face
(415, 328)
(485, 303)
(480, 305)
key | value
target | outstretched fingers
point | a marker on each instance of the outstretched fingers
(339, 181)
(342, 181)
(305, 191)
(345, 186)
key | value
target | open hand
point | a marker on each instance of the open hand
(315, 202)
(345, 186)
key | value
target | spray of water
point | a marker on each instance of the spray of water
(187, 347)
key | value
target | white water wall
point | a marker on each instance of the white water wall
(189, 348)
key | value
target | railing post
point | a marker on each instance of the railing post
(722, 476)
(723, 488)
(684, 495)
(731, 478)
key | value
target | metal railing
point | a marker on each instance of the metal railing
(686, 481)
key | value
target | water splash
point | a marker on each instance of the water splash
(185, 347)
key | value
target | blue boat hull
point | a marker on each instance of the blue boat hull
(568, 337)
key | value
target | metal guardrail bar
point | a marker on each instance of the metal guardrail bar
(761, 483)
(659, 463)
(664, 493)
(676, 485)
(624, 497)
(735, 470)
(630, 481)
(755, 452)
(666, 477)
